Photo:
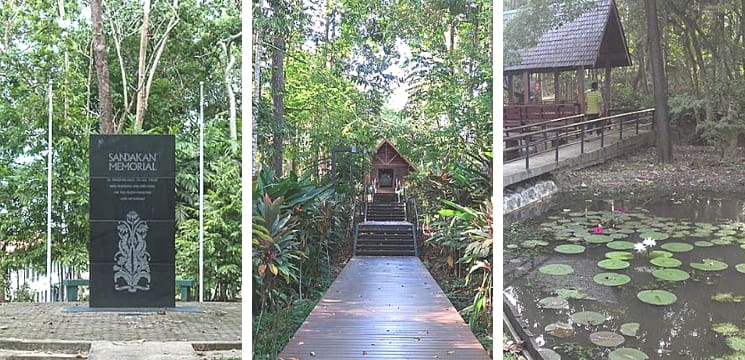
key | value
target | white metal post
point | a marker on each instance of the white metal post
(49, 194)
(201, 191)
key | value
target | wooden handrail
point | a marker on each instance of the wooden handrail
(571, 133)
(541, 123)
(557, 128)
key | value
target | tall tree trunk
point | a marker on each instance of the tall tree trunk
(742, 33)
(278, 102)
(256, 99)
(142, 59)
(226, 46)
(106, 108)
(662, 125)
(65, 84)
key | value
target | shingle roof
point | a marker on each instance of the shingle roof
(384, 142)
(594, 39)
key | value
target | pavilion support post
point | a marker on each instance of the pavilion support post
(557, 88)
(526, 87)
(607, 96)
(511, 89)
(581, 89)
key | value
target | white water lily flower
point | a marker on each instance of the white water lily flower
(649, 242)
(639, 247)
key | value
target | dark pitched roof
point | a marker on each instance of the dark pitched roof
(595, 39)
(386, 142)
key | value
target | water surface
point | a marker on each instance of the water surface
(682, 330)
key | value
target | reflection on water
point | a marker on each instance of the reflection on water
(678, 331)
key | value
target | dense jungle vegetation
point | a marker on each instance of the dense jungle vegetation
(144, 80)
(325, 71)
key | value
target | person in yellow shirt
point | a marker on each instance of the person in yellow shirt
(594, 107)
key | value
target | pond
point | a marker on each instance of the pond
(660, 278)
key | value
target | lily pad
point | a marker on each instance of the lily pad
(659, 253)
(709, 265)
(620, 245)
(512, 246)
(549, 354)
(618, 235)
(630, 329)
(533, 243)
(613, 264)
(736, 343)
(556, 269)
(670, 274)
(666, 262)
(740, 268)
(726, 329)
(611, 279)
(588, 318)
(598, 239)
(654, 235)
(553, 302)
(571, 293)
(657, 297)
(620, 255)
(569, 249)
(722, 241)
(677, 247)
(627, 354)
(606, 339)
(560, 330)
(727, 297)
(703, 243)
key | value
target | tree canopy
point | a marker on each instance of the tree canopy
(188, 42)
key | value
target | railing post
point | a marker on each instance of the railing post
(582, 139)
(637, 123)
(602, 131)
(527, 152)
(556, 145)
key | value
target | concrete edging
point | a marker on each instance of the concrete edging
(511, 315)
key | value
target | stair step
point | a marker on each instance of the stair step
(409, 242)
(39, 355)
(385, 253)
(383, 238)
(370, 247)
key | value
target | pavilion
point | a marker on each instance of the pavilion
(593, 41)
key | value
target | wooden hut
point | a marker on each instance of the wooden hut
(593, 40)
(389, 167)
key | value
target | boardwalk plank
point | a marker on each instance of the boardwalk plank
(384, 308)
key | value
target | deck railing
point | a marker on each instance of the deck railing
(413, 218)
(557, 134)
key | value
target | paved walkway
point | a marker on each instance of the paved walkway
(384, 308)
(49, 327)
(571, 156)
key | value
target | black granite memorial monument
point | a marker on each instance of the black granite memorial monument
(132, 221)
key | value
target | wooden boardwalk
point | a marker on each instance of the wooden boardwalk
(384, 308)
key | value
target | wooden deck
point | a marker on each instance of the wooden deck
(384, 308)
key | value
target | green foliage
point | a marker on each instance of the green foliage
(293, 227)
(23, 294)
(280, 326)
(724, 121)
(38, 49)
(465, 228)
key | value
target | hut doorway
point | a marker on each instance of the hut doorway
(385, 177)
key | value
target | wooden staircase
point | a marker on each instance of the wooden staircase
(385, 231)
